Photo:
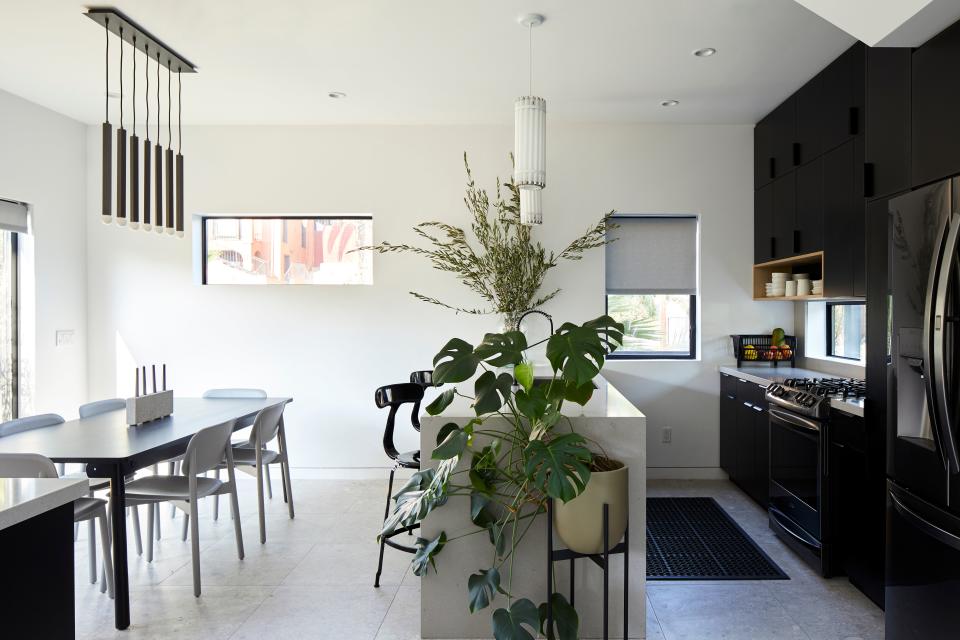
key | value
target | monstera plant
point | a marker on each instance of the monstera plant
(517, 452)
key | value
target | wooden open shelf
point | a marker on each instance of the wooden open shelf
(811, 263)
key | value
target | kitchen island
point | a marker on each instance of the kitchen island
(36, 535)
(619, 428)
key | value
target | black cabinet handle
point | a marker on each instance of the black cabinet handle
(869, 180)
(773, 168)
(796, 154)
(854, 121)
(796, 240)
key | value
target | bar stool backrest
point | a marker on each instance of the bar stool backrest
(29, 423)
(266, 424)
(102, 406)
(26, 465)
(394, 396)
(425, 380)
(206, 449)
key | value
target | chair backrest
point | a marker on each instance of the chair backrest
(394, 396)
(102, 406)
(29, 423)
(425, 380)
(235, 393)
(26, 465)
(206, 449)
(266, 424)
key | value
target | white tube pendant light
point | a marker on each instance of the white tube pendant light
(530, 139)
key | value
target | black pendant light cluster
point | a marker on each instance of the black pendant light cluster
(159, 204)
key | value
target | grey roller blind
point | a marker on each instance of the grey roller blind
(13, 216)
(653, 254)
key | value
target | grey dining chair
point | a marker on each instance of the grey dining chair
(205, 451)
(32, 465)
(253, 458)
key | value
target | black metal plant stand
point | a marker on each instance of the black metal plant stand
(602, 560)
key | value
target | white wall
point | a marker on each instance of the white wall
(329, 347)
(43, 163)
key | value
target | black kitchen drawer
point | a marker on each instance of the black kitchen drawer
(848, 430)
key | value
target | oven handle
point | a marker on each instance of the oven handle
(795, 420)
(779, 517)
(932, 530)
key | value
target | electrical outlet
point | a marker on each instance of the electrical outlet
(64, 337)
(666, 436)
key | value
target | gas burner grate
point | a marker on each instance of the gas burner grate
(695, 539)
(823, 387)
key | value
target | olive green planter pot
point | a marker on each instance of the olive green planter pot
(579, 523)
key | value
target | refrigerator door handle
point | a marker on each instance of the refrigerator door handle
(932, 530)
(929, 353)
(938, 345)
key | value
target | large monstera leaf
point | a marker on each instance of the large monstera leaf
(579, 351)
(566, 621)
(491, 391)
(425, 491)
(456, 362)
(512, 624)
(482, 587)
(502, 349)
(423, 559)
(558, 467)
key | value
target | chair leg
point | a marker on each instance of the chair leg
(151, 517)
(135, 513)
(195, 546)
(186, 525)
(287, 486)
(103, 566)
(92, 551)
(173, 468)
(283, 481)
(266, 469)
(216, 498)
(235, 510)
(157, 509)
(260, 507)
(386, 513)
(105, 549)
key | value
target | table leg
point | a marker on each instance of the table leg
(117, 504)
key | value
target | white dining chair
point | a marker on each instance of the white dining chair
(32, 465)
(205, 451)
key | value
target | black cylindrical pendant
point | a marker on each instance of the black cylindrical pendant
(146, 185)
(169, 188)
(158, 187)
(106, 210)
(134, 182)
(180, 195)
(121, 176)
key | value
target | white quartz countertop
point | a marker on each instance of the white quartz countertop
(607, 402)
(768, 375)
(24, 498)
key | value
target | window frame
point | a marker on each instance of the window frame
(203, 230)
(659, 355)
(828, 334)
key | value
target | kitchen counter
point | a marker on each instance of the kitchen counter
(25, 498)
(769, 374)
(611, 422)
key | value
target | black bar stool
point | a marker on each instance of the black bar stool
(394, 396)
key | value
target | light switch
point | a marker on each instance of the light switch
(64, 337)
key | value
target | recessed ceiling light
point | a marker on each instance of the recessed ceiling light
(336, 95)
(706, 52)
(669, 103)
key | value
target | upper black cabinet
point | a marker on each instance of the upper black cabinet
(843, 215)
(887, 139)
(784, 215)
(783, 137)
(809, 215)
(810, 102)
(935, 96)
(763, 224)
(762, 154)
(843, 98)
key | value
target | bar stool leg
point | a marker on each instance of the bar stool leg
(386, 514)
(606, 572)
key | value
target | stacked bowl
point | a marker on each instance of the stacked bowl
(777, 287)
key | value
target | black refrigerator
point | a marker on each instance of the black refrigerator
(923, 469)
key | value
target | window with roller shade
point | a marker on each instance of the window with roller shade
(14, 220)
(651, 285)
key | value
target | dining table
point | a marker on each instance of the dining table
(111, 448)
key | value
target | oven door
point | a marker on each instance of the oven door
(796, 460)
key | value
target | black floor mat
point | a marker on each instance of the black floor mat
(695, 539)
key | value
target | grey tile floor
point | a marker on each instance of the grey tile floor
(313, 579)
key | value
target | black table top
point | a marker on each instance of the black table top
(108, 439)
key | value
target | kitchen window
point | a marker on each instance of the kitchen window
(847, 330)
(13, 222)
(651, 285)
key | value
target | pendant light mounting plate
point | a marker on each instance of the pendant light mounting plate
(114, 20)
(531, 20)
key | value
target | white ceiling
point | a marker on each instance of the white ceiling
(432, 61)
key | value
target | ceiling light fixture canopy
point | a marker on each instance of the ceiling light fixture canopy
(530, 138)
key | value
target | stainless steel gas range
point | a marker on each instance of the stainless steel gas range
(799, 511)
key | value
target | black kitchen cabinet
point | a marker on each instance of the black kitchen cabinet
(810, 120)
(935, 95)
(809, 214)
(783, 136)
(750, 440)
(762, 154)
(728, 423)
(763, 224)
(843, 98)
(843, 215)
(784, 215)
(887, 122)
(761, 451)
